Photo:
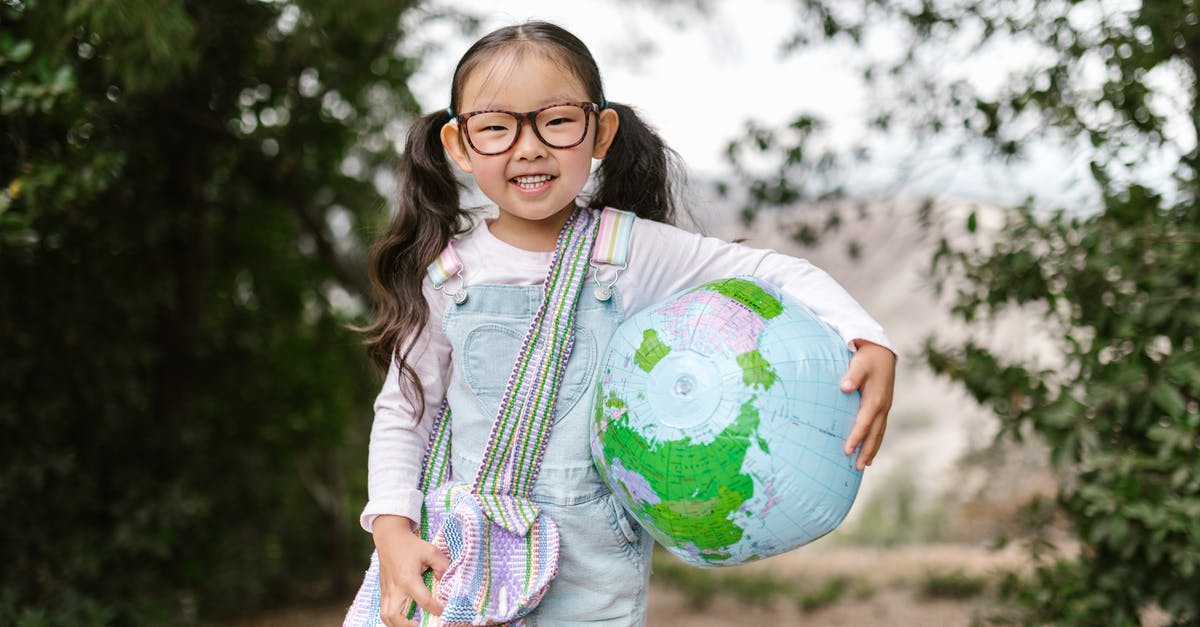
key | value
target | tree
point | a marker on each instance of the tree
(1118, 282)
(185, 186)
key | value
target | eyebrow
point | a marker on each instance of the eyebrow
(491, 106)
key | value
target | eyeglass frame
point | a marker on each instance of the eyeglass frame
(588, 109)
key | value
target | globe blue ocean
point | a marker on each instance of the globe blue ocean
(719, 423)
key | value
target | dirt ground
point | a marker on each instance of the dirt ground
(669, 609)
(887, 580)
(883, 609)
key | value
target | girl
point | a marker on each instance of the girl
(527, 116)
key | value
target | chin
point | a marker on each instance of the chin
(538, 215)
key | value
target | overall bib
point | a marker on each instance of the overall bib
(604, 560)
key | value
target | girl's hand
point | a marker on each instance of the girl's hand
(873, 373)
(403, 559)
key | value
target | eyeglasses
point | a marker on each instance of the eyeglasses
(561, 125)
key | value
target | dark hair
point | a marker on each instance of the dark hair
(638, 174)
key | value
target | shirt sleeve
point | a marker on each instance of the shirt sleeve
(664, 260)
(398, 434)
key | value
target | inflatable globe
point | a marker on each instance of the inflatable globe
(719, 423)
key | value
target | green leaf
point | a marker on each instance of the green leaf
(21, 51)
(1168, 398)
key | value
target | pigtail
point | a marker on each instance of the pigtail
(640, 173)
(428, 214)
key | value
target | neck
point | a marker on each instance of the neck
(533, 235)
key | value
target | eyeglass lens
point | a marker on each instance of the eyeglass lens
(562, 126)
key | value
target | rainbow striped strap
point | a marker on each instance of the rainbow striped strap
(445, 266)
(533, 385)
(611, 250)
(436, 466)
(521, 429)
(612, 241)
(435, 471)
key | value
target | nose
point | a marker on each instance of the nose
(528, 145)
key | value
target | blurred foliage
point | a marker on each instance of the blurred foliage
(185, 187)
(700, 587)
(1118, 283)
(829, 593)
(952, 585)
(1120, 415)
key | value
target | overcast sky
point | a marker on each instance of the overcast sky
(699, 79)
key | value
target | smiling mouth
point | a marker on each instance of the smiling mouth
(532, 182)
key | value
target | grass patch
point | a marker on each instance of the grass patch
(955, 585)
(700, 586)
(825, 595)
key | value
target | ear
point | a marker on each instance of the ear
(606, 131)
(453, 142)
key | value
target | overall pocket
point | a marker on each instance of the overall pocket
(628, 533)
(490, 350)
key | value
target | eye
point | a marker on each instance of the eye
(491, 124)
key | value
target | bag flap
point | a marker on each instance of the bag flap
(513, 513)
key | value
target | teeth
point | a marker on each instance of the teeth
(532, 181)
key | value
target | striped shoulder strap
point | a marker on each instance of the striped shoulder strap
(611, 249)
(612, 241)
(445, 267)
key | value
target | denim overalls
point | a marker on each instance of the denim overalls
(604, 561)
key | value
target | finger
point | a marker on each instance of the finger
(438, 562)
(868, 409)
(862, 425)
(393, 612)
(424, 598)
(873, 441)
(406, 610)
(851, 381)
(392, 620)
(397, 621)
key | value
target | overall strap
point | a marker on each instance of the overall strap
(612, 241)
(611, 249)
(445, 267)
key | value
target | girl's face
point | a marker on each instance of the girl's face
(531, 182)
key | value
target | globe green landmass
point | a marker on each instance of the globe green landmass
(651, 351)
(696, 507)
(756, 371)
(750, 294)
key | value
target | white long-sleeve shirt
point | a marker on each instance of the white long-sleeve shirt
(663, 260)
